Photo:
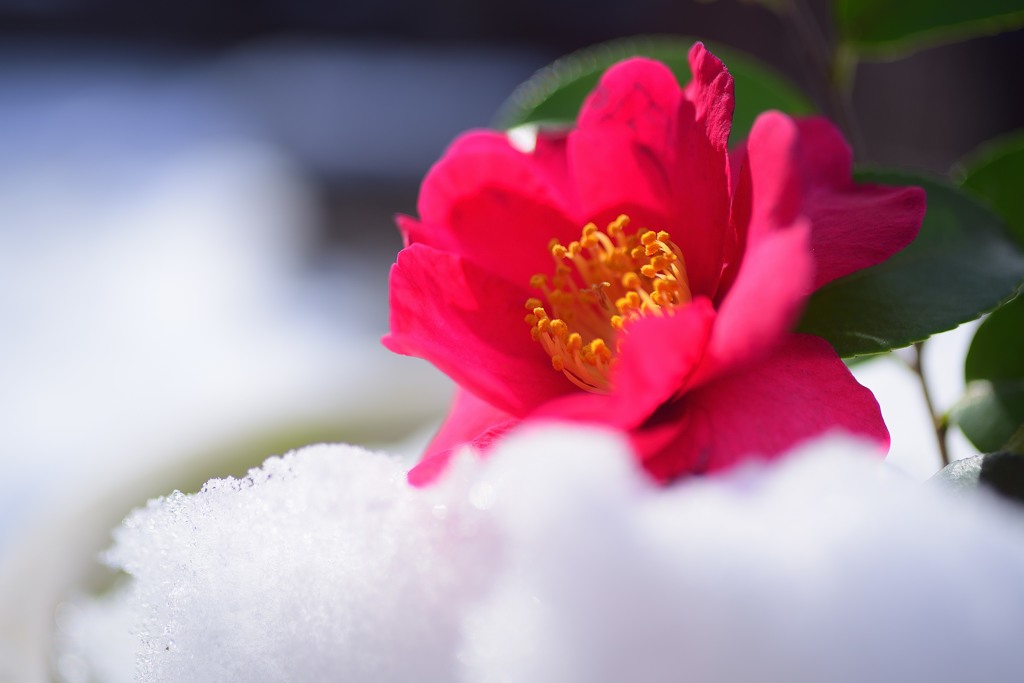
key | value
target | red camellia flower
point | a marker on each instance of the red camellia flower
(633, 273)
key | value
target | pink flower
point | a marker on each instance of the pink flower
(681, 335)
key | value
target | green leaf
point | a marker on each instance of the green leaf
(992, 409)
(961, 265)
(554, 94)
(990, 412)
(1002, 473)
(997, 351)
(887, 28)
(994, 174)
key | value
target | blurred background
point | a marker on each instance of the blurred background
(196, 203)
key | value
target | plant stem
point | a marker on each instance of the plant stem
(939, 422)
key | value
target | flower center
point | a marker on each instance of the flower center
(601, 283)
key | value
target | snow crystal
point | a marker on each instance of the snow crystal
(322, 565)
(557, 560)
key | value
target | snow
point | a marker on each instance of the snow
(557, 560)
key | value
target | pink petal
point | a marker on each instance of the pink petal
(739, 219)
(470, 325)
(496, 206)
(764, 303)
(551, 155)
(801, 391)
(616, 175)
(770, 188)
(711, 92)
(700, 171)
(639, 95)
(804, 166)
(413, 231)
(648, 149)
(656, 359)
(470, 422)
(622, 146)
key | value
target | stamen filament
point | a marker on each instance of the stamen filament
(599, 284)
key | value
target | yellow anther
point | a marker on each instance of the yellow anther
(630, 280)
(600, 283)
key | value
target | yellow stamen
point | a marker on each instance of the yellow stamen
(599, 284)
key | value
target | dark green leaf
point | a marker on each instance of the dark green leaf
(992, 409)
(999, 472)
(990, 412)
(880, 27)
(994, 174)
(554, 94)
(997, 351)
(961, 265)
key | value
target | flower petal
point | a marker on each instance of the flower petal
(615, 175)
(700, 170)
(551, 155)
(764, 303)
(639, 95)
(413, 231)
(469, 324)
(739, 219)
(804, 167)
(620, 151)
(646, 148)
(657, 357)
(496, 206)
(470, 422)
(801, 391)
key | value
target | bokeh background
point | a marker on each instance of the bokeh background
(196, 203)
